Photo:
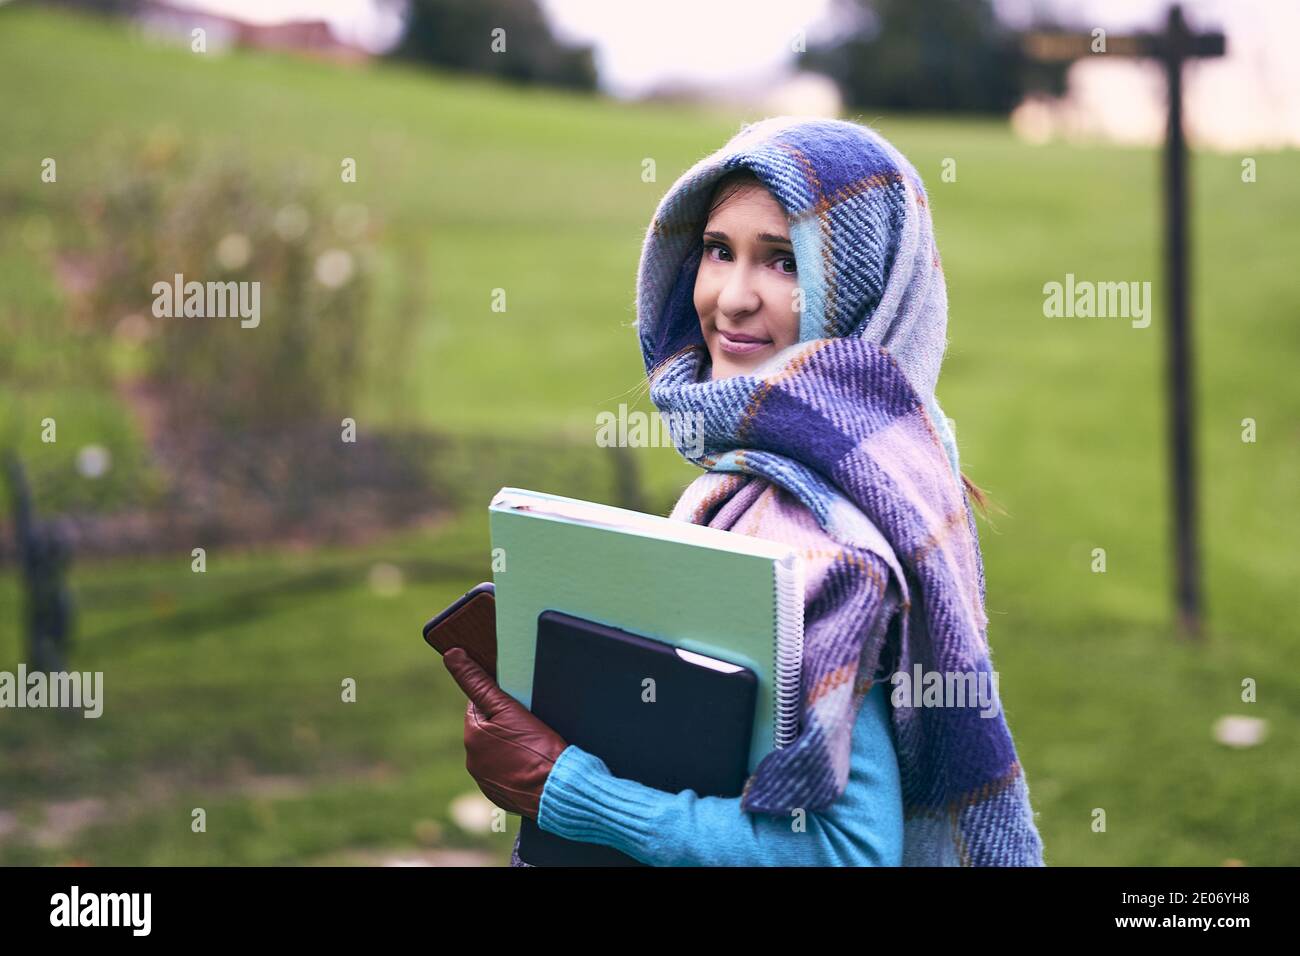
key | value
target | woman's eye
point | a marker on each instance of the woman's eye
(710, 247)
(793, 268)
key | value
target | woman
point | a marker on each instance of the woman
(799, 313)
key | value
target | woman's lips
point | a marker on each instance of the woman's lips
(740, 346)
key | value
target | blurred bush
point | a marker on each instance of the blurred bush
(216, 222)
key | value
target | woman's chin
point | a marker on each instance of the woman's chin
(724, 366)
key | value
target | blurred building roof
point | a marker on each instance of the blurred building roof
(312, 38)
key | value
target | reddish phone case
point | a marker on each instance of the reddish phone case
(470, 622)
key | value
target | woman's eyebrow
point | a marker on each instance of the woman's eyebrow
(761, 237)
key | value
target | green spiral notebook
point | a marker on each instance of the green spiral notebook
(709, 592)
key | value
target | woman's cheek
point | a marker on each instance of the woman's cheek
(791, 313)
(702, 305)
(705, 294)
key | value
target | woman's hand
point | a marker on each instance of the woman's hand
(508, 751)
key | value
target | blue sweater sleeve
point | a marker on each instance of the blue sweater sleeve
(583, 801)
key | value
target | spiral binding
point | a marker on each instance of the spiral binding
(789, 648)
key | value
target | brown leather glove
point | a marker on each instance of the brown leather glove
(508, 751)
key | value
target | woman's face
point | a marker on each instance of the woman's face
(745, 287)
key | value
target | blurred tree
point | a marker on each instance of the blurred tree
(949, 55)
(458, 34)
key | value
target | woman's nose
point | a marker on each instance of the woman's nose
(739, 294)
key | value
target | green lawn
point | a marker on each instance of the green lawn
(221, 682)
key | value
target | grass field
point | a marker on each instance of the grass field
(223, 689)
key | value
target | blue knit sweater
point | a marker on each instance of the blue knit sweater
(583, 801)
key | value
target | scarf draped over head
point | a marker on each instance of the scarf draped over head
(847, 421)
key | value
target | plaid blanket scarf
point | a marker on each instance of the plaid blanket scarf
(846, 420)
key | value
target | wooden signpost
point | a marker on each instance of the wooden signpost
(1173, 47)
